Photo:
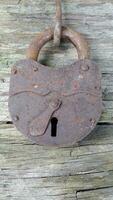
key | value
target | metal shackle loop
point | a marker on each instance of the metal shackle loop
(76, 39)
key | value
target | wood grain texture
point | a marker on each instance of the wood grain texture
(32, 172)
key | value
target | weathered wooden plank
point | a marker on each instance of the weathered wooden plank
(49, 187)
(17, 150)
(29, 166)
(100, 194)
(54, 172)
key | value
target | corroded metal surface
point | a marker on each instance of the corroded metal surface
(70, 95)
(42, 38)
(58, 23)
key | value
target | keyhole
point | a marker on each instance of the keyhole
(54, 122)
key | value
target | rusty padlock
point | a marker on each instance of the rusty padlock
(56, 106)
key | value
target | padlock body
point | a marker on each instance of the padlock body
(35, 93)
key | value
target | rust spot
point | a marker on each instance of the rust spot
(14, 70)
(35, 86)
(35, 69)
(16, 118)
(85, 67)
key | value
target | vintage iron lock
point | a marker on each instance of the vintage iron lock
(56, 106)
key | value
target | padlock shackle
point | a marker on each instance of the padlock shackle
(76, 38)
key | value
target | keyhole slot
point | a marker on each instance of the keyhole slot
(54, 122)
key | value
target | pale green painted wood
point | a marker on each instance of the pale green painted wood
(31, 172)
